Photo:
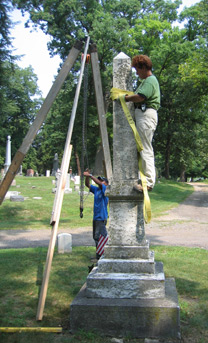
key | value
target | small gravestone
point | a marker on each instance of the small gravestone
(9, 194)
(67, 186)
(76, 182)
(16, 198)
(64, 243)
(48, 173)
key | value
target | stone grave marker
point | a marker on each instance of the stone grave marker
(127, 292)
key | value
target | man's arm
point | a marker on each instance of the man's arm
(134, 98)
(87, 180)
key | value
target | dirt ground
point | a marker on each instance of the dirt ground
(186, 225)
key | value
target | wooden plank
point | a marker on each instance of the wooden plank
(101, 110)
(59, 195)
(72, 119)
(52, 243)
(16, 162)
(31, 329)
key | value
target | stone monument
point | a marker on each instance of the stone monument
(8, 155)
(127, 294)
(55, 165)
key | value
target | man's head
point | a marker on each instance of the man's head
(103, 179)
(143, 66)
(141, 61)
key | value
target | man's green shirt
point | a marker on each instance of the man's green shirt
(150, 89)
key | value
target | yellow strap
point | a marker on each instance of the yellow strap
(117, 93)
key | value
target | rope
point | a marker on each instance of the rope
(117, 93)
(84, 155)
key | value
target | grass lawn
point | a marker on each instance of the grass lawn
(22, 269)
(36, 214)
(21, 276)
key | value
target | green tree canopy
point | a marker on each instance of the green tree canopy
(179, 58)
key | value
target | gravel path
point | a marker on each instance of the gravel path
(186, 225)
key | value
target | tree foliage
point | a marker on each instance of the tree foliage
(179, 56)
(18, 107)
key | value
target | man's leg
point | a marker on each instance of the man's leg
(99, 229)
(146, 126)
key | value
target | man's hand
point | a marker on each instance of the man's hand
(87, 173)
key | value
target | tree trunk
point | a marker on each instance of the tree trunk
(78, 163)
(167, 159)
(183, 177)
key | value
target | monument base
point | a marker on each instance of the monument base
(136, 318)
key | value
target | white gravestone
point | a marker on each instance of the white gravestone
(64, 243)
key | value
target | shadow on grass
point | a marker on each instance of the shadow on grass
(193, 302)
(12, 218)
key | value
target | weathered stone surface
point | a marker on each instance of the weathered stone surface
(64, 243)
(156, 318)
(127, 266)
(127, 252)
(126, 224)
(9, 194)
(125, 161)
(123, 285)
(16, 198)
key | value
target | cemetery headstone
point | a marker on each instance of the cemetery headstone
(67, 185)
(55, 165)
(64, 243)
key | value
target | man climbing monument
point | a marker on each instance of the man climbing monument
(147, 102)
(100, 211)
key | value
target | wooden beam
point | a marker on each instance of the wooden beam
(52, 243)
(101, 110)
(19, 156)
(31, 329)
(60, 194)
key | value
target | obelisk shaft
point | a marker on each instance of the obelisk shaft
(125, 163)
(126, 224)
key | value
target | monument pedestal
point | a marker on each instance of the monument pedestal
(136, 318)
(127, 297)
